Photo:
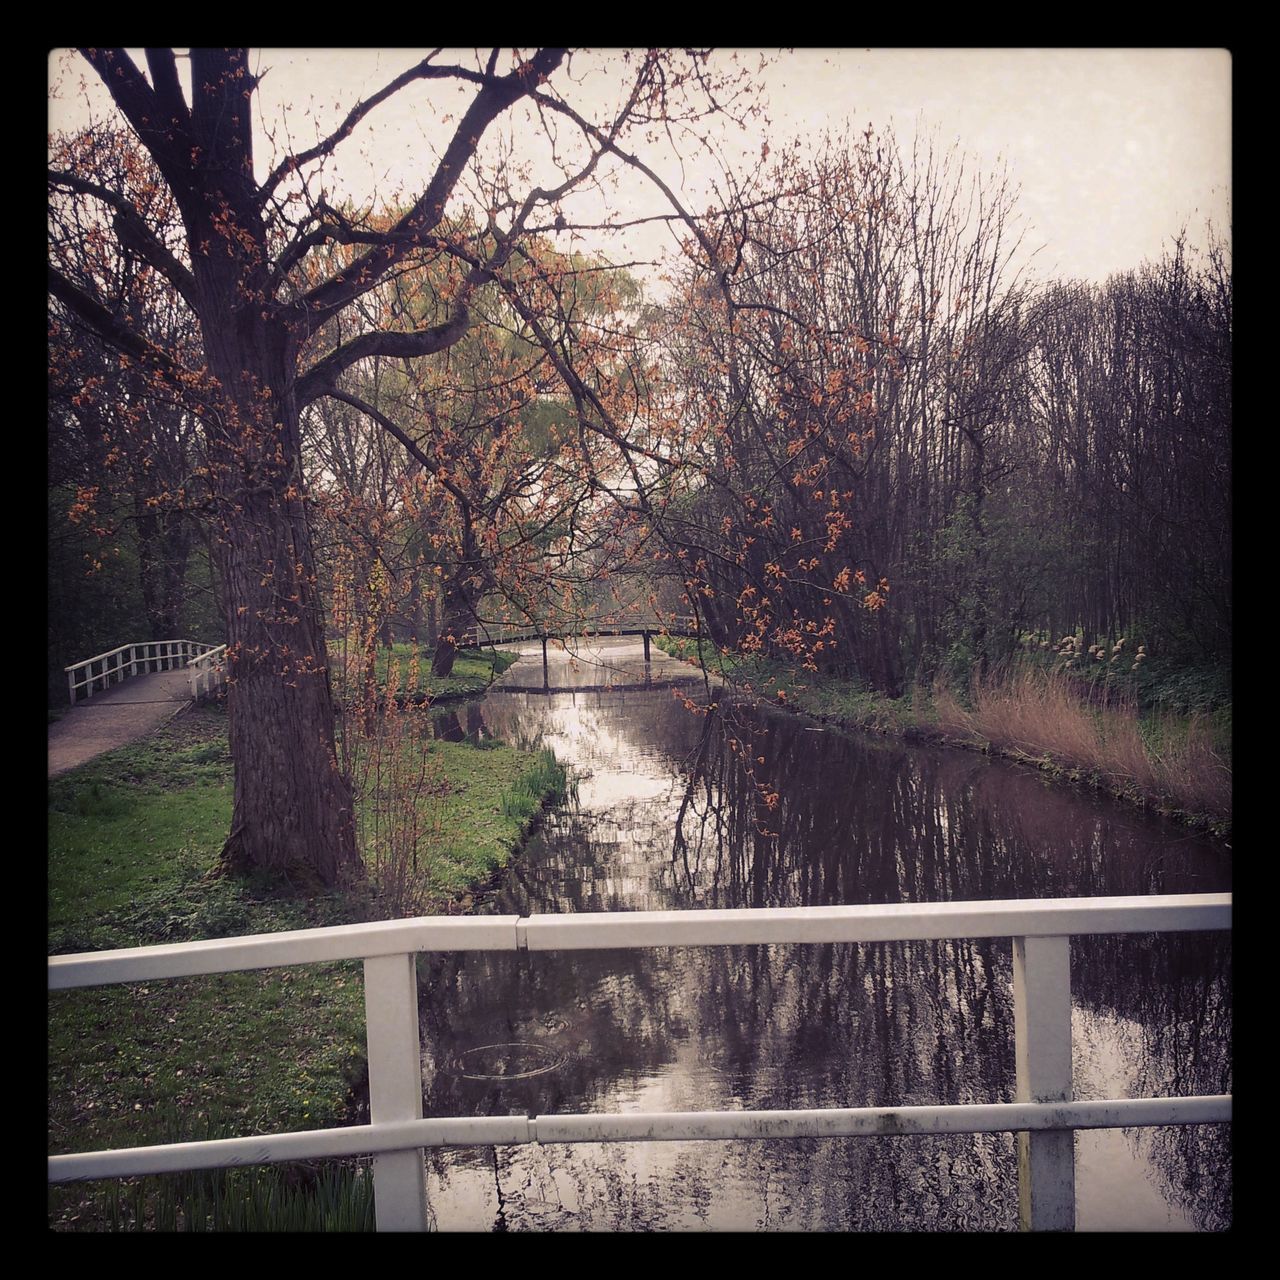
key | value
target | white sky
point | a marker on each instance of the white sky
(1114, 150)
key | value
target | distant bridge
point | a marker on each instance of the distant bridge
(204, 664)
(129, 691)
(682, 626)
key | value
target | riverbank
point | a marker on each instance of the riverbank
(134, 840)
(1175, 764)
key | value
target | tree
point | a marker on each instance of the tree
(276, 334)
(868, 351)
(122, 461)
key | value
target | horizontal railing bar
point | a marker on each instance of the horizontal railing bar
(861, 1122)
(889, 922)
(678, 1126)
(138, 644)
(271, 950)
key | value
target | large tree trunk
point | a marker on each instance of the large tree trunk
(293, 803)
(293, 806)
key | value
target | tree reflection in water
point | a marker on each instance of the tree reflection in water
(669, 816)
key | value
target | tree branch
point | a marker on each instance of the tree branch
(424, 70)
(110, 329)
(494, 98)
(133, 233)
(164, 76)
(142, 108)
(431, 467)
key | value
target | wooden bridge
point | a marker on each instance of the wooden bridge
(132, 689)
(493, 637)
(129, 691)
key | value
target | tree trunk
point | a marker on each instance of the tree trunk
(293, 806)
(457, 617)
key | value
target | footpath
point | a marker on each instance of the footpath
(108, 720)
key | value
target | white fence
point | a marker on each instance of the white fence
(1043, 1114)
(106, 669)
(208, 671)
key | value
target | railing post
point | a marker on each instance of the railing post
(395, 1087)
(646, 646)
(1042, 1045)
(71, 686)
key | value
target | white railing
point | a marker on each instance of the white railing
(127, 660)
(208, 671)
(1043, 1114)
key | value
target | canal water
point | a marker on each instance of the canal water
(678, 808)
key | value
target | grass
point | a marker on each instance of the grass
(133, 839)
(474, 670)
(432, 844)
(1162, 740)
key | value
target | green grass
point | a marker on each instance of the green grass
(133, 839)
(474, 670)
(495, 796)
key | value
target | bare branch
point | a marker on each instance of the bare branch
(424, 70)
(133, 232)
(494, 98)
(108, 327)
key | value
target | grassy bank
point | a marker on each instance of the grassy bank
(1163, 740)
(134, 838)
(407, 668)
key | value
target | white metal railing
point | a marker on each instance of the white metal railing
(1044, 1113)
(127, 660)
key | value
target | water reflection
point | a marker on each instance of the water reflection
(681, 810)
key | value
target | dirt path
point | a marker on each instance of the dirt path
(111, 719)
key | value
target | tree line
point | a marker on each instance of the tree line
(988, 460)
(848, 432)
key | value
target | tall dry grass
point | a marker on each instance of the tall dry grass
(1037, 714)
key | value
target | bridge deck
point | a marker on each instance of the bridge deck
(115, 717)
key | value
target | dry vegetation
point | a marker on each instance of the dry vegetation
(1039, 715)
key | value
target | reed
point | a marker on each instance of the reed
(1030, 713)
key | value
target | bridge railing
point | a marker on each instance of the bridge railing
(106, 669)
(584, 629)
(207, 671)
(1044, 1113)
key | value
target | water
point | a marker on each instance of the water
(681, 810)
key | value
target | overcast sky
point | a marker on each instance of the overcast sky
(1113, 149)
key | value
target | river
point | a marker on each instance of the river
(680, 809)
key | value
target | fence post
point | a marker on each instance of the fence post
(71, 686)
(1042, 1046)
(395, 1087)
